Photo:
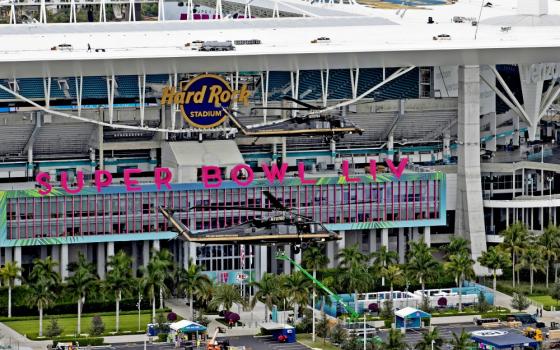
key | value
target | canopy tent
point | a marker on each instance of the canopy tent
(501, 339)
(185, 326)
(410, 317)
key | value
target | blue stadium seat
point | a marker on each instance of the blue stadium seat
(127, 86)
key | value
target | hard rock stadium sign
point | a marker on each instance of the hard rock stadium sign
(211, 176)
(202, 100)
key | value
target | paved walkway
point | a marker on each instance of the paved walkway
(18, 342)
(504, 300)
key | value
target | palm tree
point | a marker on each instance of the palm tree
(351, 256)
(462, 341)
(395, 341)
(383, 258)
(314, 258)
(461, 266)
(192, 281)
(430, 341)
(356, 279)
(118, 279)
(226, 295)
(457, 245)
(149, 283)
(421, 264)
(297, 288)
(43, 278)
(81, 282)
(495, 259)
(393, 274)
(533, 259)
(515, 240)
(267, 292)
(9, 273)
(162, 263)
(550, 241)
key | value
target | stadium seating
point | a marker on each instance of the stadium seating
(127, 86)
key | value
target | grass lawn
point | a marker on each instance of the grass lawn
(305, 339)
(69, 324)
(546, 300)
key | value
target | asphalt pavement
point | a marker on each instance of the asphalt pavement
(250, 343)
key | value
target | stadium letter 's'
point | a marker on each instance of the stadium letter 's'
(275, 173)
(158, 180)
(301, 173)
(209, 173)
(99, 182)
(79, 182)
(345, 172)
(373, 169)
(245, 170)
(43, 179)
(128, 182)
(400, 169)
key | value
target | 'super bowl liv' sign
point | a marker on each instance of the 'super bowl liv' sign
(202, 100)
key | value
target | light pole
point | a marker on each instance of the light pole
(433, 342)
(139, 305)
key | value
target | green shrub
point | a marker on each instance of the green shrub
(162, 337)
(97, 326)
(93, 341)
(53, 329)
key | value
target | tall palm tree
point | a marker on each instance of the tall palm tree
(314, 258)
(297, 288)
(267, 292)
(394, 274)
(461, 266)
(9, 273)
(457, 245)
(430, 341)
(43, 279)
(226, 295)
(462, 341)
(149, 284)
(383, 258)
(118, 279)
(162, 264)
(421, 264)
(192, 281)
(356, 279)
(515, 240)
(550, 241)
(495, 259)
(395, 341)
(81, 283)
(351, 256)
(533, 260)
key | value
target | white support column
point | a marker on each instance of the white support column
(516, 127)
(134, 258)
(43, 12)
(131, 11)
(341, 244)
(142, 97)
(354, 78)
(156, 245)
(111, 96)
(324, 86)
(73, 16)
(428, 236)
(8, 254)
(13, 13)
(44, 252)
(101, 262)
(161, 10)
(385, 237)
(47, 91)
(218, 10)
(402, 246)
(145, 253)
(287, 265)
(372, 241)
(174, 108)
(264, 92)
(469, 217)
(261, 261)
(18, 261)
(190, 12)
(55, 252)
(102, 12)
(331, 254)
(294, 85)
(64, 261)
(110, 251)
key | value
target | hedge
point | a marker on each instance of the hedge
(93, 341)
(70, 308)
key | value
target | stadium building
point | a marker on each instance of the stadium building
(461, 94)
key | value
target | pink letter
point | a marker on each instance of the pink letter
(211, 172)
(301, 173)
(99, 182)
(128, 182)
(373, 169)
(235, 173)
(345, 172)
(43, 180)
(79, 182)
(158, 180)
(397, 171)
(272, 174)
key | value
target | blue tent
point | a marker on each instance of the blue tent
(501, 339)
(410, 318)
(193, 328)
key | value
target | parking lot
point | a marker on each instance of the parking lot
(249, 342)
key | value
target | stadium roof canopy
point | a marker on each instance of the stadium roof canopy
(362, 37)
